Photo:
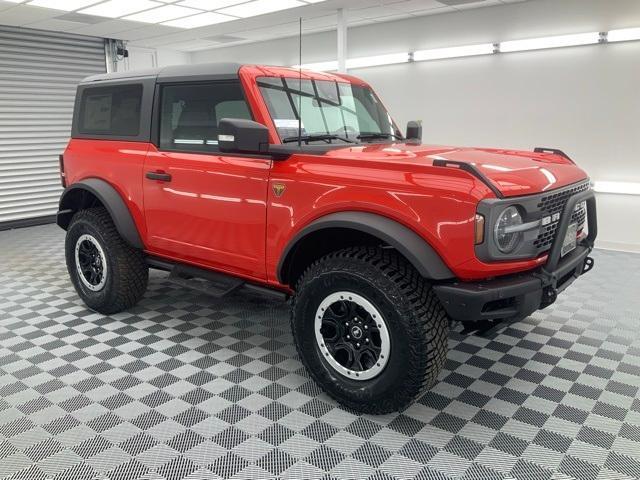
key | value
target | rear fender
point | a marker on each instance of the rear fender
(79, 195)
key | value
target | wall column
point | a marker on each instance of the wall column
(342, 41)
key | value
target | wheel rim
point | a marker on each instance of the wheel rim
(91, 262)
(352, 335)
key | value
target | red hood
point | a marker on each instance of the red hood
(512, 172)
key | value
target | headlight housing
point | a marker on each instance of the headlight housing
(506, 234)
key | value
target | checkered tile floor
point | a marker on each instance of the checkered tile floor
(189, 387)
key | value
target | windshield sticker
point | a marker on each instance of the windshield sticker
(287, 123)
(288, 127)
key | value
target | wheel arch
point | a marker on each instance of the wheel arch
(362, 228)
(93, 192)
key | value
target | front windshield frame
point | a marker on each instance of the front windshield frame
(332, 111)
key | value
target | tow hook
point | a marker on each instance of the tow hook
(549, 295)
(588, 264)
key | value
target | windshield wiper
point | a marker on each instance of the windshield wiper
(373, 136)
(310, 138)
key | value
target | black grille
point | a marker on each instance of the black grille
(554, 203)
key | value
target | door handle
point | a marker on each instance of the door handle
(162, 176)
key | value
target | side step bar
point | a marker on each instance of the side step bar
(203, 281)
(208, 282)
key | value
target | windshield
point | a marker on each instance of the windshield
(330, 111)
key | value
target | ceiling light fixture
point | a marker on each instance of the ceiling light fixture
(378, 60)
(119, 8)
(623, 35)
(209, 4)
(67, 5)
(360, 62)
(200, 20)
(453, 52)
(162, 14)
(329, 66)
(550, 42)
(260, 7)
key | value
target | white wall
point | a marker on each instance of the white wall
(584, 100)
(167, 56)
(141, 58)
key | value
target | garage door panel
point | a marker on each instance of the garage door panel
(31, 186)
(18, 77)
(39, 73)
(15, 55)
(31, 44)
(38, 189)
(27, 212)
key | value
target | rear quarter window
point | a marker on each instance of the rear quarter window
(111, 110)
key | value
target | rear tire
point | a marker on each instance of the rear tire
(108, 274)
(336, 301)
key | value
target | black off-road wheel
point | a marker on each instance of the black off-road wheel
(108, 274)
(369, 329)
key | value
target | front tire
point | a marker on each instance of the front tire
(108, 274)
(369, 329)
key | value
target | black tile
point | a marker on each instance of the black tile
(552, 441)
(509, 444)
(578, 468)
(531, 417)
(570, 414)
(448, 422)
(596, 437)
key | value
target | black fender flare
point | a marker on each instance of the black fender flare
(112, 201)
(411, 245)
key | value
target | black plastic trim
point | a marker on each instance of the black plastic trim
(286, 149)
(111, 200)
(160, 176)
(469, 168)
(555, 151)
(412, 246)
(522, 293)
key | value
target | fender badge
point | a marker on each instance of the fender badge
(278, 189)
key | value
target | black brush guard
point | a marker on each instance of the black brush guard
(516, 296)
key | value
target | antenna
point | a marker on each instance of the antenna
(300, 86)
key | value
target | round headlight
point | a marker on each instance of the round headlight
(506, 239)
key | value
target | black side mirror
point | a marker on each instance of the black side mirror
(414, 131)
(239, 135)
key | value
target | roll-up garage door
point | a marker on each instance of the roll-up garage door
(39, 72)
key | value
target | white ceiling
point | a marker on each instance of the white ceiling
(316, 17)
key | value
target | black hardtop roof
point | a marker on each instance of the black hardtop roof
(199, 71)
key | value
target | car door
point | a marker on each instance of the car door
(202, 206)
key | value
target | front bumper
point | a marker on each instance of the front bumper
(517, 296)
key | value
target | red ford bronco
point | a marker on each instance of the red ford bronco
(242, 176)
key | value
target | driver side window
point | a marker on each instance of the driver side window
(190, 113)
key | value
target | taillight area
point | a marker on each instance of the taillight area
(63, 177)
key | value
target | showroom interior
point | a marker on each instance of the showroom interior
(190, 384)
